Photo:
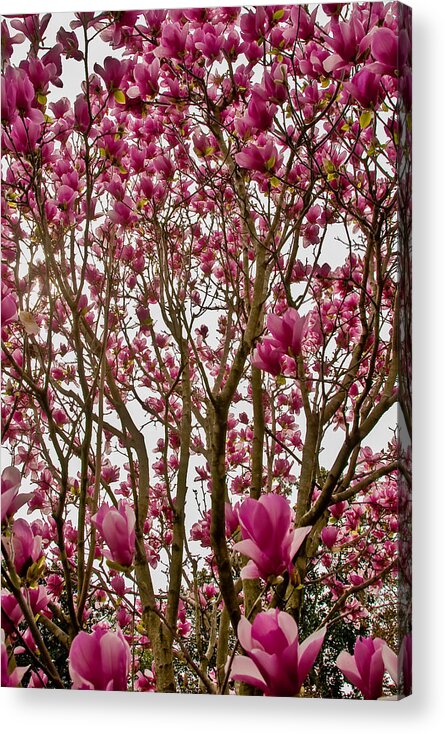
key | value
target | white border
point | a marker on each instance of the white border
(66, 712)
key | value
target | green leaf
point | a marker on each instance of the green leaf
(41, 99)
(366, 118)
(119, 96)
(278, 14)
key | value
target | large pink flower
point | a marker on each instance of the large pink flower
(400, 666)
(10, 679)
(385, 50)
(364, 87)
(287, 330)
(11, 500)
(262, 158)
(267, 357)
(287, 336)
(269, 538)
(116, 525)
(100, 661)
(277, 664)
(12, 615)
(365, 668)
(8, 307)
(25, 547)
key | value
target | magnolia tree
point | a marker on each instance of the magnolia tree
(205, 303)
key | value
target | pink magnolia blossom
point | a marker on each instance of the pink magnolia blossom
(24, 136)
(254, 24)
(122, 212)
(112, 72)
(116, 526)
(173, 42)
(38, 679)
(263, 158)
(25, 548)
(11, 500)
(231, 519)
(267, 357)
(145, 680)
(11, 615)
(348, 42)
(385, 50)
(364, 87)
(365, 668)
(400, 666)
(269, 538)
(18, 96)
(287, 330)
(100, 661)
(8, 41)
(287, 335)
(146, 77)
(277, 663)
(10, 679)
(260, 116)
(209, 44)
(303, 24)
(55, 584)
(70, 44)
(82, 113)
(329, 536)
(33, 26)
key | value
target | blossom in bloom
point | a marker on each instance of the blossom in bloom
(112, 72)
(25, 548)
(400, 666)
(260, 115)
(365, 668)
(38, 679)
(253, 24)
(70, 44)
(173, 42)
(348, 42)
(287, 330)
(100, 661)
(269, 538)
(231, 519)
(54, 584)
(145, 680)
(267, 357)
(364, 87)
(11, 500)
(122, 212)
(146, 77)
(385, 50)
(38, 599)
(8, 41)
(329, 536)
(24, 136)
(11, 615)
(9, 679)
(263, 158)
(287, 336)
(82, 113)
(277, 663)
(116, 526)
(8, 307)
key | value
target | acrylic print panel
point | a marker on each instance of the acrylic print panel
(206, 350)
